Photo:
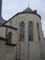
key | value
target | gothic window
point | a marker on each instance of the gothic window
(22, 26)
(9, 37)
(30, 31)
(38, 31)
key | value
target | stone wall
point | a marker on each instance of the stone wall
(8, 51)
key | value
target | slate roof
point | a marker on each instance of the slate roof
(28, 9)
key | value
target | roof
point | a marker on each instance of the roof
(14, 28)
(27, 10)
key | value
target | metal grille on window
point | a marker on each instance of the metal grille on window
(9, 37)
(22, 26)
(30, 31)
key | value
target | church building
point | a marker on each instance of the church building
(21, 37)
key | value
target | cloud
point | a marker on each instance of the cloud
(18, 5)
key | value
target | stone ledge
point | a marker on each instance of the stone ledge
(10, 44)
(3, 39)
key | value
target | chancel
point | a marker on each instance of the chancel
(21, 37)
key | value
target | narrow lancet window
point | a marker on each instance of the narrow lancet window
(30, 31)
(22, 31)
(38, 31)
(9, 37)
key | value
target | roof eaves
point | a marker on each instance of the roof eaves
(21, 13)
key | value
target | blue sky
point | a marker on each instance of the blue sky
(11, 7)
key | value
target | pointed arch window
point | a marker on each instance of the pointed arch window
(9, 37)
(38, 31)
(22, 31)
(30, 31)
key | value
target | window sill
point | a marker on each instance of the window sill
(10, 44)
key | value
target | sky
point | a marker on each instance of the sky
(11, 7)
